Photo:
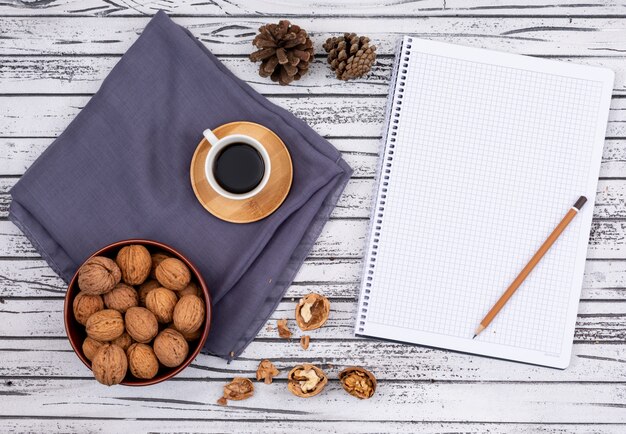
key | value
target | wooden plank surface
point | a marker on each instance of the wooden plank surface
(547, 36)
(598, 321)
(82, 74)
(363, 8)
(335, 278)
(53, 56)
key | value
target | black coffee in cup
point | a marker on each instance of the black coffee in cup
(238, 168)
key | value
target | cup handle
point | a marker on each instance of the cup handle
(211, 138)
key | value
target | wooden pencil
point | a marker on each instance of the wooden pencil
(531, 265)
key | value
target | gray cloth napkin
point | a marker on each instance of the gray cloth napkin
(121, 170)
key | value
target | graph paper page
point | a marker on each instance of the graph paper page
(485, 154)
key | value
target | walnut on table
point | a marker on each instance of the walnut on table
(312, 311)
(238, 389)
(306, 380)
(358, 381)
(266, 371)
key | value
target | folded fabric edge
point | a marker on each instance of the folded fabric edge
(18, 215)
(301, 252)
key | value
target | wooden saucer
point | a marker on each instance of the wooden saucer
(268, 199)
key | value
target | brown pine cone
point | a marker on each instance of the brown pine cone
(350, 56)
(285, 52)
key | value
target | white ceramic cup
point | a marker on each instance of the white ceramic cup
(216, 147)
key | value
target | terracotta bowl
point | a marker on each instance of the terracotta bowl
(76, 332)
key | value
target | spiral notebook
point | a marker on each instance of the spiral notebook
(483, 154)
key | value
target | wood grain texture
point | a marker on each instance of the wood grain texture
(590, 362)
(553, 36)
(301, 426)
(363, 8)
(53, 57)
(83, 74)
(412, 401)
(598, 321)
(343, 116)
(345, 238)
(335, 278)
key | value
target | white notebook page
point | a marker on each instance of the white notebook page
(487, 153)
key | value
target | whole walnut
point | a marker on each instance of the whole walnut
(173, 274)
(105, 325)
(123, 341)
(171, 348)
(157, 258)
(145, 288)
(142, 361)
(189, 337)
(91, 347)
(141, 324)
(121, 298)
(135, 263)
(85, 305)
(109, 365)
(98, 275)
(161, 302)
(189, 314)
(191, 289)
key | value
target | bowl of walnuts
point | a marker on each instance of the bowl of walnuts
(137, 312)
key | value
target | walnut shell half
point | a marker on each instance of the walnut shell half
(306, 380)
(98, 275)
(312, 311)
(135, 263)
(239, 389)
(358, 382)
(109, 365)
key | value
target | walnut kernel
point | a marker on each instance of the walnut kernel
(358, 382)
(306, 380)
(283, 330)
(266, 371)
(238, 389)
(312, 311)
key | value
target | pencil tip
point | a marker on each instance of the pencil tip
(474, 337)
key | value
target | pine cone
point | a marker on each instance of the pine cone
(350, 56)
(285, 51)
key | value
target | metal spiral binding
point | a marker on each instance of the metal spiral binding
(386, 171)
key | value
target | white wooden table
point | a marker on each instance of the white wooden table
(53, 56)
